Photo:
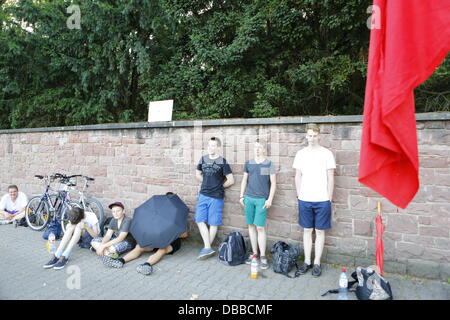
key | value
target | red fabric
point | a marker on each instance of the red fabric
(413, 40)
(379, 254)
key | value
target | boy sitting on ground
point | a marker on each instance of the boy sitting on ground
(118, 239)
(79, 221)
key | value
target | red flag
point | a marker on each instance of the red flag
(413, 39)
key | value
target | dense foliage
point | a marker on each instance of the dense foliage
(215, 58)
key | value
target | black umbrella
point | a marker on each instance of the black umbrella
(159, 221)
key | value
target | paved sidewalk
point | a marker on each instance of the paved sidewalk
(178, 276)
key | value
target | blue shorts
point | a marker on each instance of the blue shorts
(209, 210)
(315, 215)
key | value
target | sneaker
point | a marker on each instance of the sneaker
(113, 263)
(61, 264)
(250, 258)
(304, 268)
(114, 255)
(264, 264)
(316, 270)
(145, 269)
(5, 222)
(205, 253)
(51, 263)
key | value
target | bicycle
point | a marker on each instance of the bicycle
(89, 204)
(47, 207)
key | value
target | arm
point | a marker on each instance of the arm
(107, 236)
(273, 187)
(199, 175)
(100, 249)
(330, 175)
(120, 238)
(230, 180)
(91, 231)
(243, 187)
(298, 181)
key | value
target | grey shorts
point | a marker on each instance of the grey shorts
(120, 247)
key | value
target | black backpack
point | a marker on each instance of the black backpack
(370, 285)
(105, 226)
(284, 258)
(232, 251)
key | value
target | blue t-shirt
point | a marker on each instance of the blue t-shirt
(214, 172)
(258, 183)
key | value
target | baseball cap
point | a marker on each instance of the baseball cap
(118, 204)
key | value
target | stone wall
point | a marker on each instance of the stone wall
(132, 162)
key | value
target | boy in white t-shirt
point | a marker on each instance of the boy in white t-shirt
(12, 206)
(314, 182)
(80, 220)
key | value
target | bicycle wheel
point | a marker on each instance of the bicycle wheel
(64, 219)
(37, 213)
(96, 207)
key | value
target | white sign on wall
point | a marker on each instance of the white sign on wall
(160, 111)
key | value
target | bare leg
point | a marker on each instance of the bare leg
(19, 216)
(65, 240)
(262, 239)
(4, 215)
(307, 244)
(135, 253)
(212, 233)
(318, 246)
(95, 244)
(158, 255)
(253, 238)
(73, 241)
(204, 232)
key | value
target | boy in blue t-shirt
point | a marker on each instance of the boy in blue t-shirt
(257, 192)
(215, 174)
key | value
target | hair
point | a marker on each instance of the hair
(261, 142)
(219, 143)
(13, 186)
(76, 215)
(312, 126)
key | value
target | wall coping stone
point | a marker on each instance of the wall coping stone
(435, 116)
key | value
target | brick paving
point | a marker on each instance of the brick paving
(178, 277)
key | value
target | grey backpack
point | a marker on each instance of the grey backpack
(232, 251)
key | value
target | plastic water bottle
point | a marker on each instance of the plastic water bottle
(51, 243)
(254, 268)
(343, 286)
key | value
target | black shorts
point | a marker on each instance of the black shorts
(176, 244)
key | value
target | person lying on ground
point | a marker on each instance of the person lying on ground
(147, 267)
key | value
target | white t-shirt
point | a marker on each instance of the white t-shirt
(313, 164)
(7, 204)
(91, 220)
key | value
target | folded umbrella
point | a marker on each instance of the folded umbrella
(159, 221)
(379, 254)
